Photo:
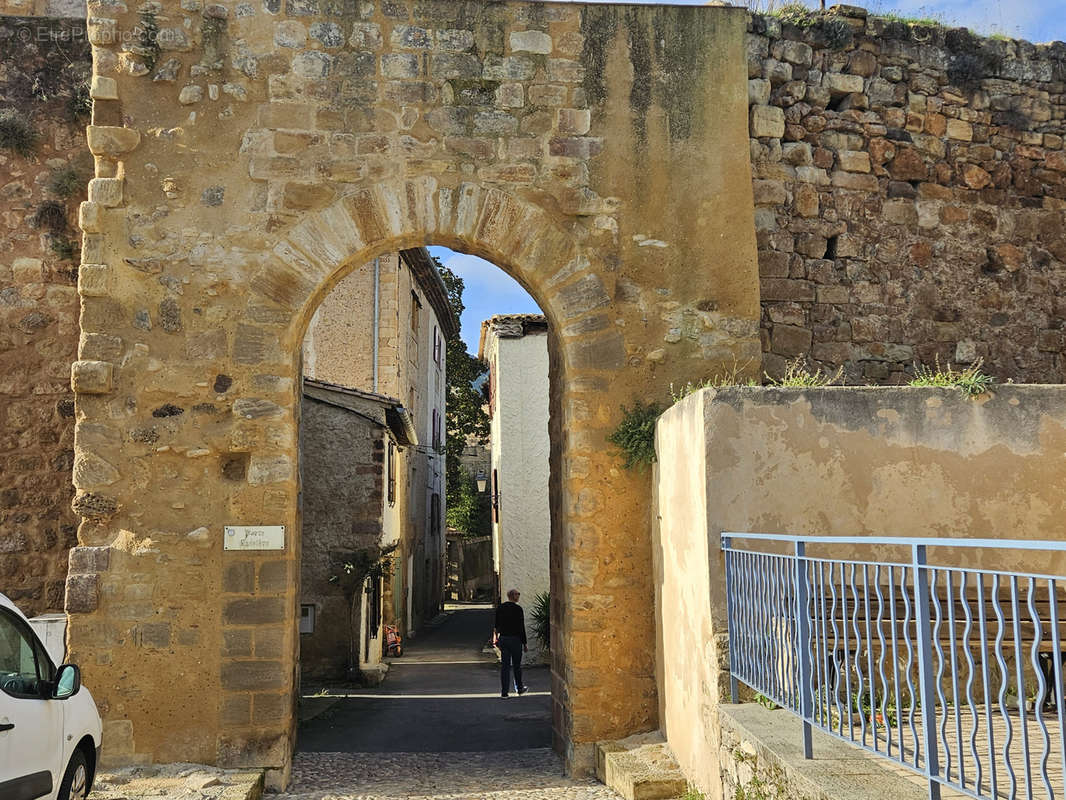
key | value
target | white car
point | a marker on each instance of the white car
(49, 726)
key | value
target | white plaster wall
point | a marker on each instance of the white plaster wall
(520, 454)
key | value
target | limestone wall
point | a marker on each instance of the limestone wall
(838, 461)
(44, 168)
(342, 456)
(909, 184)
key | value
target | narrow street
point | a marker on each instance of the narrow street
(437, 727)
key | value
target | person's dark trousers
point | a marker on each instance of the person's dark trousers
(510, 658)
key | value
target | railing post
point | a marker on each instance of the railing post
(925, 667)
(803, 647)
(734, 687)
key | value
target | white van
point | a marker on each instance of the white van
(49, 725)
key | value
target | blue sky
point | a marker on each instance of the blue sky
(490, 291)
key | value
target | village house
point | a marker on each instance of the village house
(515, 346)
(372, 463)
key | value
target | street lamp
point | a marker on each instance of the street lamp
(482, 486)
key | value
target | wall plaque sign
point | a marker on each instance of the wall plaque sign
(254, 537)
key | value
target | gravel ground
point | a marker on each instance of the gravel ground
(176, 782)
(533, 774)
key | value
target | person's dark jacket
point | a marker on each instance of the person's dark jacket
(510, 621)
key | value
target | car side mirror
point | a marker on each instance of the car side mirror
(67, 682)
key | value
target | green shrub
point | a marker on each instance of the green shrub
(66, 182)
(635, 434)
(798, 374)
(542, 619)
(65, 248)
(971, 380)
(731, 377)
(16, 133)
(51, 216)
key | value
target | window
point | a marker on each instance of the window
(416, 306)
(390, 469)
(495, 496)
(307, 618)
(434, 516)
(24, 664)
(438, 342)
(436, 430)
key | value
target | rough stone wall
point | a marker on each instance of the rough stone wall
(339, 346)
(342, 457)
(67, 9)
(910, 185)
(44, 82)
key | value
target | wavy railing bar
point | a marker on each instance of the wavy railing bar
(947, 670)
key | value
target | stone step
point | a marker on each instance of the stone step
(641, 767)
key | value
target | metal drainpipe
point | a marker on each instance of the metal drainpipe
(377, 297)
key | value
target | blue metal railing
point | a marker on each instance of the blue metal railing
(952, 670)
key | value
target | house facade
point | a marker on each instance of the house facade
(515, 346)
(372, 462)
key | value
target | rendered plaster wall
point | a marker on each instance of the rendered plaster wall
(519, 451)
(252, 157)
(837, 461)
(43, 82)
(910, 182)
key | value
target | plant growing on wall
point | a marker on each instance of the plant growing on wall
(635, 434)
(798, 374)
(542, 619)
(353, 570)
(16, 133)
(67, 181)
(971, 380)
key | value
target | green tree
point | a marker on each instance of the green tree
(464, 418)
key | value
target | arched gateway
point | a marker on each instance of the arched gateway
(248, 155)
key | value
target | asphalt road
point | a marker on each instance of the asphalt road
(442, 695)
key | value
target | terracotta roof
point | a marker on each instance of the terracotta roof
(393, 415)
(511, 326)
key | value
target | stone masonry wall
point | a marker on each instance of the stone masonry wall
(342, 457)
(909, 185)
(44, 168)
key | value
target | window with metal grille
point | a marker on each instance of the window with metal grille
(390, 469)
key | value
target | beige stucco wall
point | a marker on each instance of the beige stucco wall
(518, 437)
(836, 461)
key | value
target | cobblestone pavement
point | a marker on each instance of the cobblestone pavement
(534, 774)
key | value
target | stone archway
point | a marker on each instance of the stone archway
(566, 143)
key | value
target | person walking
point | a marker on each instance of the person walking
(509, 635)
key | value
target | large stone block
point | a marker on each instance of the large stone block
(767, 122)
(82, 594)
(531, 42)
(254, 611)
(92, 377)
(111, 141)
